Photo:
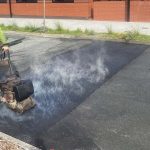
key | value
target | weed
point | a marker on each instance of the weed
(12, 27)
(109, 30)
(31, 28)
(89, 32)
(130, 35)
(59, 27)
(133, 35)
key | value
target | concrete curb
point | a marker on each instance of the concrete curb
(22, 145)
(97, 26)
(88, 37)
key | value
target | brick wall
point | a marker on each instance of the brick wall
(140, 11)
(26, 9)
(77, 9)
(68, 9)
(4, 9)
(98, 10)
(109, 10)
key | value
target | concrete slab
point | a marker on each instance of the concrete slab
(63, 82)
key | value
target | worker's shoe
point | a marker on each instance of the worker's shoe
(21, 106)
(25, 105)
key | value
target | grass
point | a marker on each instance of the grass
(31, 28)
(59, 29)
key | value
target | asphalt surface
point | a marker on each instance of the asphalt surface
(65, 72)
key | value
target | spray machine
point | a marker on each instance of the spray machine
(15, 92)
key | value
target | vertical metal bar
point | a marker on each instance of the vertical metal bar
(127, 10)
(10, 9)
(44, 6)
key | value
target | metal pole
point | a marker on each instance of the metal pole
(10, 9)
(127, 10)
(44, 4)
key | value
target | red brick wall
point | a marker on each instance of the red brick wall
(140, 11)
(4, 9)
(52, 9)
(68, 9)
(99, 10)
(27, 9)
(109, 10)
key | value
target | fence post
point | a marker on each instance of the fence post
(127, 10)
(10, 9)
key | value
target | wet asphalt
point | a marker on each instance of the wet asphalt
(65, 72)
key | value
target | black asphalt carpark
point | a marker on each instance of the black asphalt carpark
(66, 73)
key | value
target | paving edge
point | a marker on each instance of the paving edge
(19, 143)
(82, 37)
